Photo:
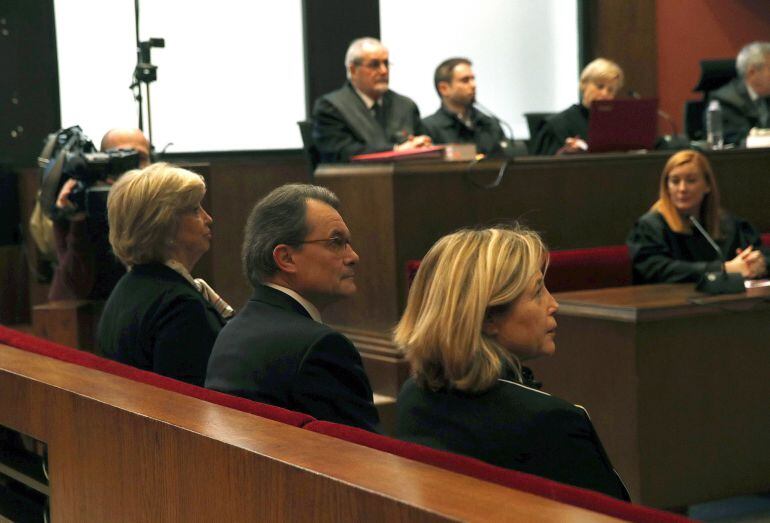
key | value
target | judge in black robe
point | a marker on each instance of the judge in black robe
(567, 131)
(572, 122)
(364, 115)
(740, 113)
(745, 101)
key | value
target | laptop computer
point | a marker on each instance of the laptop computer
(622, 125)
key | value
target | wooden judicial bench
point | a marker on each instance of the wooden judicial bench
(128, 445)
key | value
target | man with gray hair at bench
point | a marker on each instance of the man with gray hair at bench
(298, 257)
(745, 100)
(364, 115)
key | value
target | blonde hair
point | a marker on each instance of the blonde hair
(601, 69)
(710, 207)
(463, 276)
(144, 207)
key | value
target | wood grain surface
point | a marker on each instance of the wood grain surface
(126, 451)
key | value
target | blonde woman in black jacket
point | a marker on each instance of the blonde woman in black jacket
(478, 308)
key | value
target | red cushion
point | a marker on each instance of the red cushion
(509, 478)
(592, 268)
(411, 272)
(576, 269)
(765, 237)
(86, 359)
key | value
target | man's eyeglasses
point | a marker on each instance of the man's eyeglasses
(374, 64)
(335, 244)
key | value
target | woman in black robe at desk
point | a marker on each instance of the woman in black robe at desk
(665, 248)
(567, 131)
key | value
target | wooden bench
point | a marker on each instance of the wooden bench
(126, 444)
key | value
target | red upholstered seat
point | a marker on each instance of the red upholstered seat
(86, 359)
(577, 269)
(592, 268)
(765, 239)
(411, 272)
(509, 478)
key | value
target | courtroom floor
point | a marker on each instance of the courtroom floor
(742, 509)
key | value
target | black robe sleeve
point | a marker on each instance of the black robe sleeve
(335, 140)
(653, 259)
(547, 142)
(567, 124)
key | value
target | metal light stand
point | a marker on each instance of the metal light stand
(144, 73)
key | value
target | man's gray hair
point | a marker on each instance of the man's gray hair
(278, 218)
(356, 50)
(752, 54)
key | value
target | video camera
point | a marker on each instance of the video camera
(69, 153)
(89, 169)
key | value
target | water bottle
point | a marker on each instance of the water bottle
(714, 135)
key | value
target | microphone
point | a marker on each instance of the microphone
(504, 144)
(709, 239)
(663, 114)
(722, 282)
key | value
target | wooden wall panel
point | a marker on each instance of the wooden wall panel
(624, 31)
(233, 189)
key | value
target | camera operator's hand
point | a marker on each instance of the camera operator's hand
(63, 201)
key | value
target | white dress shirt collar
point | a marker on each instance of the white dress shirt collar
(368, 102)
(752, 93)
(309, 307)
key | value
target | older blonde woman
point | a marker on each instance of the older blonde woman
(478, 308)
(158, 317)
(665, 248)
(564, 132)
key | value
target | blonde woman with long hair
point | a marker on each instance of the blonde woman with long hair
(477, 309)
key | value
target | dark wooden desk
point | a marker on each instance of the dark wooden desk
(676, 384)
(397, 211)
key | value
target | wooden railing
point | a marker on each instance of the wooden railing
(119, 450)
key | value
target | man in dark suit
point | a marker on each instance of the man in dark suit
(298, 256)
(745, 100)
(457, 120)
(364, 115)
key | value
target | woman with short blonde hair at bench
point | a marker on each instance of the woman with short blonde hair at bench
(158, 317)
(476, 309)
